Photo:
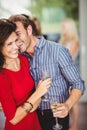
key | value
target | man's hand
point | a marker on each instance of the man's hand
(62, 110)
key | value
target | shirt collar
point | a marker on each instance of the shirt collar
(39, 46)
(41, 42)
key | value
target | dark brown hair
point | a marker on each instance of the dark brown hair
(25, 20)
(6, 28)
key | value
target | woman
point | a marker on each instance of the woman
(70, 39)
(16, 84)
(38, 26)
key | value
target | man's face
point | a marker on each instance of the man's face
(23, 37)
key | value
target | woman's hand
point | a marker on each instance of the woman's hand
(43, 86)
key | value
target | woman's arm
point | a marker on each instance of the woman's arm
(74, 48)
(31, 102)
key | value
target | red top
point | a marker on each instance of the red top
(15, 88)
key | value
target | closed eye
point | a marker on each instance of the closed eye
(10, 43)
(16, 40)
(18, 33)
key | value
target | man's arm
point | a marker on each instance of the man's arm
(74, 97)
(72, 76)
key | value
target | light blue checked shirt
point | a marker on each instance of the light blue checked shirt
(54, 58)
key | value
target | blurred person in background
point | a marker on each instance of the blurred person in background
(18, 98)
(70, 39)
(56, 59)
(38, 25)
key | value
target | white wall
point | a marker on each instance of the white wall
(83, 42)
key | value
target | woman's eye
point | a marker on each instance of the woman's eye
(9, 44)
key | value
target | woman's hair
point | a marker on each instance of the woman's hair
(71, 33)
(6, 28)
(25, 20)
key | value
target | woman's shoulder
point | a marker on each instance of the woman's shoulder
(3, 76)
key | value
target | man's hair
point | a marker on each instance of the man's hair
(26, 21)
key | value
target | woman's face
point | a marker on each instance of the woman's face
(10, 49)
(64, 28)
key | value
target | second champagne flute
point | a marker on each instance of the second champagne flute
(54, 102)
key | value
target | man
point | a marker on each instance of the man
(54, 58)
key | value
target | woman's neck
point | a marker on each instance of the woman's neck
(12, 64)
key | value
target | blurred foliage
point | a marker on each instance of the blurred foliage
(72, 8)
(52, 12)
(69, 6)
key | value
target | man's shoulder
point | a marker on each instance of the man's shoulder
(51, 45)
(54, 44)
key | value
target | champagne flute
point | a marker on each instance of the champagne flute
(53, 102)
(44, 76)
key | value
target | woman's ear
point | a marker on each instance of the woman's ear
(29, 29)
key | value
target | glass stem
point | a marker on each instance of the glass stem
(47, 95)
(56, 121)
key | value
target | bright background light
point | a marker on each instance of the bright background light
(8, 7)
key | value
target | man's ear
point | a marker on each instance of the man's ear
(29, 29)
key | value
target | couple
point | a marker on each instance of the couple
(17, 83)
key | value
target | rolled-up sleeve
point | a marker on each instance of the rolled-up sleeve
(70, 70)
(6, 98)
